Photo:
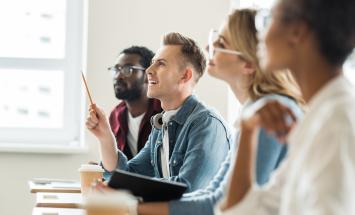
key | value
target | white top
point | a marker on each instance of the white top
(133, 132)
(318, 176)
(164, 150)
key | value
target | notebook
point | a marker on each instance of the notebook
(149, 189)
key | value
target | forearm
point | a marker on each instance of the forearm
(108, 152)
(242, 176)
(159, 208)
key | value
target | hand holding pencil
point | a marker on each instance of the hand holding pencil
(96, 122)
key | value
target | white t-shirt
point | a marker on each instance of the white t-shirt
(164, 150)
(133, 132)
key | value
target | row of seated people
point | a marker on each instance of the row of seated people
(293, 149)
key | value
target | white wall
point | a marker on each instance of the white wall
(144, 22)
(112, 26)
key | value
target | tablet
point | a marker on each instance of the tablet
(149, 189)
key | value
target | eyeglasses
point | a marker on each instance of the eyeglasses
(263, 20)
(212, 38)
(125, 70)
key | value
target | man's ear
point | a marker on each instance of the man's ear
(187, 75)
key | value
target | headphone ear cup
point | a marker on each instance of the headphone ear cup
(157, 121)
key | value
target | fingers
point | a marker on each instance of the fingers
(277, 119)
(93, 117)
(93, 107)
(95, 114)
(277, 114)
(97, 186)
(266, 118)
(101, 187)
(91, 123)
(98, 112)
(290, 114)
(93, 163)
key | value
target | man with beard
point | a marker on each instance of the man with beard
(130, 120)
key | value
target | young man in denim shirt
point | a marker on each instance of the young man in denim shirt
(193, 141)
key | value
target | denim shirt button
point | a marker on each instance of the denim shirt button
(174, 162)
(170, 123)
(152, 162)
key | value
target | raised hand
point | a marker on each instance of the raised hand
(98, 124)
(273, 116)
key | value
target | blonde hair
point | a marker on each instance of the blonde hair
(243, 36)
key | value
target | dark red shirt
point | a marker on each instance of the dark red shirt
(119, 125)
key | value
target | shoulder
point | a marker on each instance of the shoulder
(202, 111)
(205, 116)
(119, 108)
(342, 111)
(117, 112)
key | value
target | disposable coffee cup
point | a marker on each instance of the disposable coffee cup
(110, 203)
(88, 174)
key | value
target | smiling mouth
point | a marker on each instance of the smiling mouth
(152, 82)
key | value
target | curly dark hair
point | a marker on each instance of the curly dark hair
(332, 21)
(146, 55)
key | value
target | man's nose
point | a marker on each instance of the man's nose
(119, 75)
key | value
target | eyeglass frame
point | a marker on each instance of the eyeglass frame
(212, 49)
(115, 71)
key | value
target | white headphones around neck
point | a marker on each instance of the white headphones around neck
(157, 121)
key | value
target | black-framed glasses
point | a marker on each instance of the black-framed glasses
(125, 70)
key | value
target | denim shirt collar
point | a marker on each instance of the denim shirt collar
(185, 110)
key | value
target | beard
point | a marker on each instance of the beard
(122, 92)
(128, 95)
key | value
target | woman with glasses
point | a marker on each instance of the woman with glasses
(233, 59)
(313, 39)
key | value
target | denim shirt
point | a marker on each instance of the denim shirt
(199, 141)
(269, 155)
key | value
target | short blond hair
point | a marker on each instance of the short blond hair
(191, 52)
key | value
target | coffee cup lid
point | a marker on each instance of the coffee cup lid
(91, 168)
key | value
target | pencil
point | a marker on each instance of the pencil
(88, 92)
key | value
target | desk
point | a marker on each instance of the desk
(59, 200)
(54, 187)
(57, 211)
